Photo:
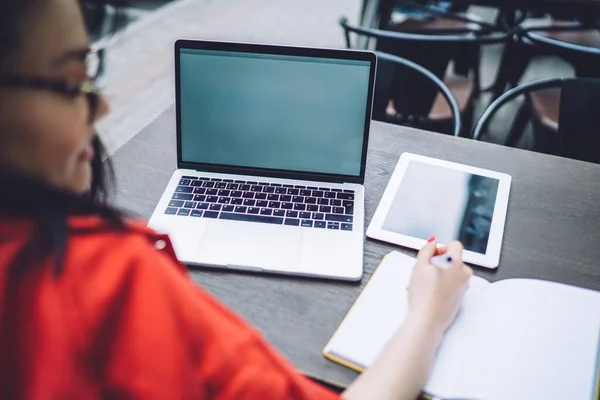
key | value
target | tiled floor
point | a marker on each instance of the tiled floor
(140, 61)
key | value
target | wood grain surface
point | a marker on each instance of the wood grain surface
(552, 231)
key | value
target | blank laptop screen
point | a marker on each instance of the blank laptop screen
(273, 111)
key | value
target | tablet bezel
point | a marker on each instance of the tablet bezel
(491, 259)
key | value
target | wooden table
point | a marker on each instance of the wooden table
(552, 231)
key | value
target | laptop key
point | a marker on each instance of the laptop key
(312, 207)
(184, 189)
(216, 179)
(188, 177)
(208, 184)
(273, 197)
(312, 188)
(220, 185)
(280, 190)
(212, 199)
(260, 196)
(190, 204)
(305, 215)
(215, 207)
(276, 184)
(292, 222)
(233, 186)
(252, 218)
(336, 190)
(279, 213)
(274, 204)
(248, 195)
(318, 193)
(244, 187)
(256, 188)
(262, 203)
(298, 199)
(224, 200)
(287, 206)
(305, 192)
(203, 206)
(300, 186)
(339, 218)
(269, 189)
(176, 203)
(325, 209)
(294, 191)
(339, 210)
(228, 180)
(241, 209)
(197, 183)
(236, 193)
(322, 201)
(252, 183)
(335, 202)
(291, 214)
(330, 195)
(183, 211)
(319, 224)
(199, 190)
(196, 213)
(171, 211)
(310, 200)
(345, 196)
(249, 202)
(212, 192)
(253, 210)
(333, 225)
(299, 206)
(306, 223)
(349, 210)
(238, 181)
(211, 214)
(182, 196)
(225, 192)
(237, 201)
(266, 211)
(288, 186)
(228, 208)
(318, 216)
(185, 182)
(199, 197)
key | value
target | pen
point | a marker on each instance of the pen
(441, 261)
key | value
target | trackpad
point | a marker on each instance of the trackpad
(251, 245)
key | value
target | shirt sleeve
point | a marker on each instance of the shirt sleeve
(151, 333)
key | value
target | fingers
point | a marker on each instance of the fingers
(455, 250)
(427, 252)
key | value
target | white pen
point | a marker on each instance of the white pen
(441, 261)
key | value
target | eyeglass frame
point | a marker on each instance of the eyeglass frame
(89, 89)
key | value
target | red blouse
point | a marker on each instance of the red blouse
(124, 320)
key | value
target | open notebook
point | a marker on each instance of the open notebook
(512, 339)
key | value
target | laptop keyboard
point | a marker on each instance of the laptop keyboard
(270, 203)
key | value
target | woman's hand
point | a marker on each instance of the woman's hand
(435, 294)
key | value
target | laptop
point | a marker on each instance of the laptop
(271, 154)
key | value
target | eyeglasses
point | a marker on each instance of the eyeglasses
(88, 89)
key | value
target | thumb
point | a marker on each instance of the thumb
(427, 251)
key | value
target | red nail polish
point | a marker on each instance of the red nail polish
(431, 239)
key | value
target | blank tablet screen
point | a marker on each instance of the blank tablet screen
(451, 204)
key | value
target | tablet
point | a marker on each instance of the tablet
(427, 196)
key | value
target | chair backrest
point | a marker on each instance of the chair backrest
(413, 94)
(387, 65)
(579, 120)
(577, 135)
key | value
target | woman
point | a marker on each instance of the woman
(90, 307)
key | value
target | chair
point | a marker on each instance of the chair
(386, 70)
(573, 42)
(576, 135)
(414, 100)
